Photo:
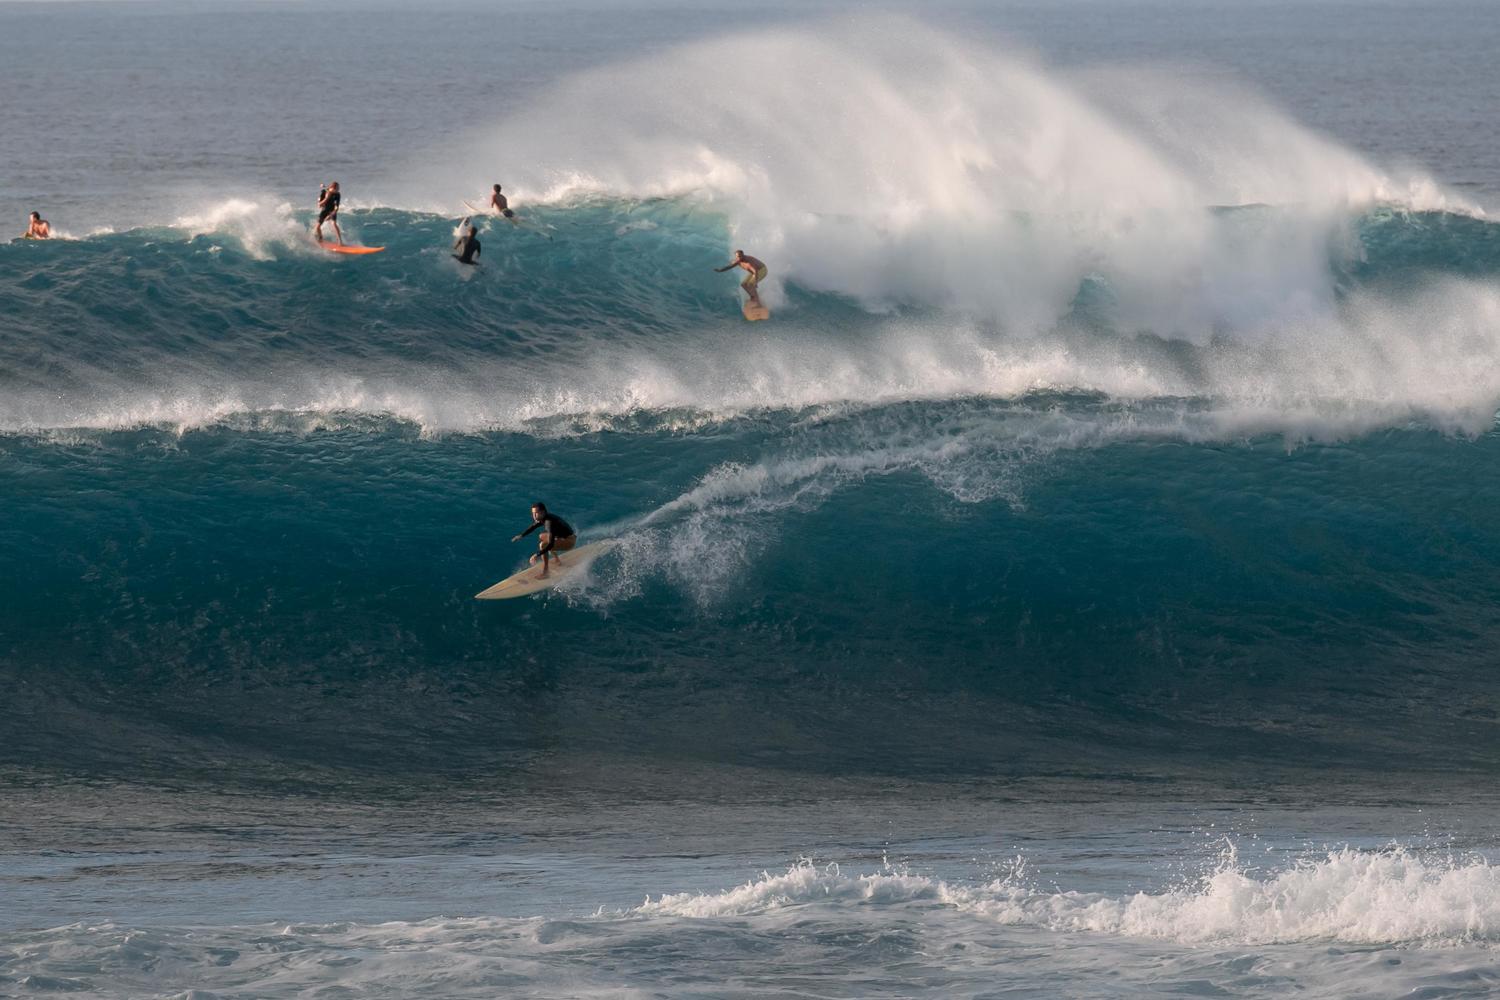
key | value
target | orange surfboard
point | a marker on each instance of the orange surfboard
(336, 248)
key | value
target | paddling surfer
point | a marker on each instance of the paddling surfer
(501, 204)
(328, 211)
(38, 228)
(466, 248)
(756, 269)
(557, 535)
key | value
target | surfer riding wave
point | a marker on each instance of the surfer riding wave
(557, 536)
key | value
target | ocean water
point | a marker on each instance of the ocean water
(1086, 584)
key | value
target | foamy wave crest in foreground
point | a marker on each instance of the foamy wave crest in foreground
(1233, 933)
(1350, 896)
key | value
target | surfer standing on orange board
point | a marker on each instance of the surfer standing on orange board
(757, 271)
(328, 211)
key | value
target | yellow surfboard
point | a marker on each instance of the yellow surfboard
(530, 580)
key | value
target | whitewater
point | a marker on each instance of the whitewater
(1084, 585)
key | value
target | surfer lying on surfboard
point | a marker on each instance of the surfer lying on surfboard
(328, 211)
(757, 271)
(466, 247)
(557, 535)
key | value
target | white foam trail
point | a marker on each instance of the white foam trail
(259, 225)
(702, 540)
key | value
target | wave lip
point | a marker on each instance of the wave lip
(955, 174)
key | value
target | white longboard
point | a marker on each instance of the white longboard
(514, 220)
(476, 210)
(530, 579)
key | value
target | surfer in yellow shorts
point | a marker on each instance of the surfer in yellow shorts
(37, 228)
(757, 271)
(557, 535)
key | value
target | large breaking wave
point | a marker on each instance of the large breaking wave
(1081, 410)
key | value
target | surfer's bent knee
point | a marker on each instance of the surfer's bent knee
(561, 545)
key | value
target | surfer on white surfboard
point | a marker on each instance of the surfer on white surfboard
(500, 203)
(754, 266)
(328, 211)
(557, 536)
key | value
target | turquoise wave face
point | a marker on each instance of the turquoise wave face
(309, 596)
(611, 310)
(250, 490)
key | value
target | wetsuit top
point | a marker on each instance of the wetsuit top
(332, 204)
(468, 248)
(556, 528)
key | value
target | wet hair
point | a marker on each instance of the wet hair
(497, 187)
(332, 185)
(37, 216)
(473, 230)
(539, 506)
(739, 253)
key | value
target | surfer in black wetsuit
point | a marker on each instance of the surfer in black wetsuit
(557, 535)
(500, 203)
(467, 246)
(328, 211)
